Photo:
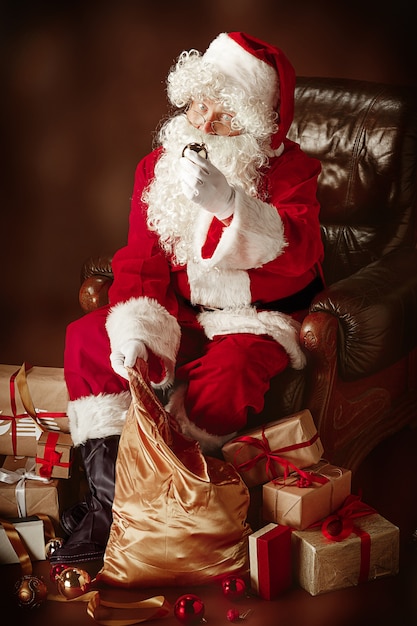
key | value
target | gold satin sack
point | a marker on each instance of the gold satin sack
(179, 518)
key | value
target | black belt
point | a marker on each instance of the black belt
(296, 302)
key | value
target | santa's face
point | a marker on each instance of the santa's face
(237, 155)
(211, 118)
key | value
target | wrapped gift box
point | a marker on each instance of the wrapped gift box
(284, 502)
(270, 560)
(54, 455)
(31, 534)
(370, 552)
(44, 393)
(256, 454)
(23, 493)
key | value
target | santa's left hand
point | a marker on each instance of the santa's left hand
(203, 183)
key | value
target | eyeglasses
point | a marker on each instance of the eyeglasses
(219, 128)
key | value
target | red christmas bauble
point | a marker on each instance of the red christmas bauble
(233, 587)
(189, 609)
(56, 570)
(31, 591)
(73, 582)
(233, 615)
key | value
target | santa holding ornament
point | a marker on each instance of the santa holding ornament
(222, 260)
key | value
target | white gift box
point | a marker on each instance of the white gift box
(31, 534)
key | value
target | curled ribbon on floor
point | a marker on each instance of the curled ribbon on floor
(111, 613)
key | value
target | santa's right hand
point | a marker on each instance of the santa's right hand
(127, 355)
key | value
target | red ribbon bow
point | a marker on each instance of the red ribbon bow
(339, 526)
(26, 367)
(51, 457)
(271, 456)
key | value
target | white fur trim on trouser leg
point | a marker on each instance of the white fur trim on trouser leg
(209, 443)
(95, 417)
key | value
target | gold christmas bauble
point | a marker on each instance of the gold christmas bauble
(73, 582)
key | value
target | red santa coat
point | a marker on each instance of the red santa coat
(272, 249)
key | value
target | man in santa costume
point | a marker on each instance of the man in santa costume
(222, 258)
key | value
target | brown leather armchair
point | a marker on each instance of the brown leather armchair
(360, 335)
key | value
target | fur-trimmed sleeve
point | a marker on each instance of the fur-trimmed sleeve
(146, 320)
(254, 237)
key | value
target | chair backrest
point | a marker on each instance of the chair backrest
(365, 135)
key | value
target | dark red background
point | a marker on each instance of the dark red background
(82, 92)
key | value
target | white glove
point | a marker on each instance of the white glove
(203, 183)
(126, 356)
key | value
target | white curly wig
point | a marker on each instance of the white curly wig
(251, 92)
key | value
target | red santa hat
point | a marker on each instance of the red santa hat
(240, 57)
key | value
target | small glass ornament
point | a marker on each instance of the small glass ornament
(53, 544)
(30, 591)
(189, 609)
(56, 570)
(233, 615)
(73, 582)
(233, 587)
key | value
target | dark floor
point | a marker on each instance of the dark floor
(388, 481)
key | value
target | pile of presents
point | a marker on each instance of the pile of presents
(39, 475)
(314, 531)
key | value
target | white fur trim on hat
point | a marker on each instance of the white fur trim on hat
(244, 69)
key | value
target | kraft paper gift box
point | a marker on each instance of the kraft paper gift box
(54, 456)
(285, 502)
(265, 453)
(23, 493)
(270, 561)
(32, 400)
(321, 564)
(32, 537)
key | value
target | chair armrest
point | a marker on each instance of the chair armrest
(96, 279)
(376, 312)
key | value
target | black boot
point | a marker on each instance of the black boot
(88, 539)
(74, 515)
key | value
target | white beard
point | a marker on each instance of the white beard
(170, 213)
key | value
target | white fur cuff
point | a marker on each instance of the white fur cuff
(94, 417)
(146, 320)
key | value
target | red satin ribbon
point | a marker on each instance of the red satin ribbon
(52, 458)
(306, 478)
(352, 508)
(270, 456)
(16, 415)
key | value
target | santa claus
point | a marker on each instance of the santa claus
(223, 257)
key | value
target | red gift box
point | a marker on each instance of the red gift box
(270, 560)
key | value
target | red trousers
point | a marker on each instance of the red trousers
(227, 377)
